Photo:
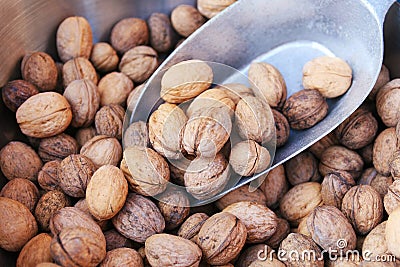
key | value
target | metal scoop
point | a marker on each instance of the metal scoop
(287, 34)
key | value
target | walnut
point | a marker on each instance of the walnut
(103, 150)
(44, 115)
(191, 227)
(211, 8)
(375, 242)
(122, 257)
(139, 218)
(254, 256)
(378, 181)
(139, 63)
(84, 134)
(47, 264)
(74, 38)
(221, 238)
(331, 76)
(385, 146)
(78, 246)
(102, 204)
(114, 88)
(268, 84)
(174, 206)
(282, 128)
(83, 206)
(385, 103)
(300, 201)
(254, 120)
(383, 78)
(367, 154)
(235, 91)
(392, 198)
(241, 194)
(149, 172)
(186, 19)
(23, 223)
(36, 251)
(327, 141)
(16, 92)
(282, 230)
(328, 225)
(302, 168)
(338, 158)
(49, 204)
(358, 130)
(166, 125)
(185, 80)
(206, 177)
(134, 95)
(39, 69)
(109, 121)
(260, 221)
(78, 69)
(162, 36)
(334, 186)
(23, 191)
(274, 186)
(178, 169)
(128, 33)
(170, 250)
(104, 58)
(84, 99)
(394, 165)
(302, 228)
(136, 134)
(48, 175)
(115, 240)
(211, 98)
(392, 233)
(305, 108)
(57, 147)
(248, 158)
(18, 160)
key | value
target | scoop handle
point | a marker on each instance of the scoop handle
(381, 7)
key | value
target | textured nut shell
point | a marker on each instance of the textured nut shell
(267, 83)
(394, 165)
(17, 225)
(392, 234)
(205, 177)
(162, 36)
(327, 141)
(78, 247)
(305, 109)
(334, 186)
(57, 147)
(106, 192)
(191, 227)
(384, 147)
(282, 230)
(185, 80)
(136, 134)
(235, 91)
(211, 98)
(381, 184)
(16, 92)
(49, 204)
(84, 134)
(36, 251)
(386, 100)
(169, 250)
(128, 33)
(331, 76)
(166, 125)
(114, 88)
(300, 201)
(241, 194)
(211, 8)
(122, 257)
(84, 99)
(383, 78)
(149, 171)
(338, 158)
(103, 150)
(74, 38)
(248, 158)
(39, 69)
(254, 120)
(109, 121)
(139, 218)
(133, 98)
(23, 191)
(175, 207)
(48, 175)
(104, 58)
(274, 186)
(375, 242)
(18, 160)
(115, 240)
(250, 256)
(302, 168)
(392, 198)
(282, 128)
(139, 63)
(221, 238)
(260, 221)
(327, 225)
(78, 69)
(44, 115)
(186, 19)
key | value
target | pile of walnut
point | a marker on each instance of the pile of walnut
(74, 202)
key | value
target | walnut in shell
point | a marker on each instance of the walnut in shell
(139, 218)
(78, 69)
(282, 128)
(392, 198)
(44, 115)
(109, 121)
(394, 165)
(174, 206)
(186, 19)
(115, 240)
(16, 92)
(242, 193)
(385, 146)
(211, 98)
(257, 255)
(114, 88)
(378, 181)
(274, 186)
(122, 257)
(235, 91)
(84, 134)
(319, 147)
(74, 38)
(23, 191)
(128, 33)
(103, 150)
(104, 58)
(392, 233)
(36, 251)
(185, 80)
(18, 160)
(282, 230)
(191, 227)
(383, 78)
(302, 168)
(386, 98)
(136, 134)
(23, 223)
(162, 36)
(211, 8)
(48, 175)
(331, 76)
(334, 186)
(57, 147)
(375, 242)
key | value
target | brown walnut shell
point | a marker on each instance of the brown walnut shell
(282, 128)
(36, 251)
(186, 19)
(211, 8)
(122, 257)
(57, 147)
(241, 194)
(78, 69)
(114, 88)
(191, 227)
(48, 175)
(384, 147)
(174, 206)
(383, 78)
(16, 92)
(23, 191)
(274, 186)
(115, 240)
(136, 134)
(257, 256)
(375, 241)
(211, 98)
(84, 134)
(103, 150)
(235, 91)
(386, 100)
(392, 198)
(334, 186)
(104, 58)
(392, 233)
(302, 168)
(319, 147)
(109, 121)
(128, 33)
(162, 36)
(282, 230)
(378, 181)
(394, 165)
